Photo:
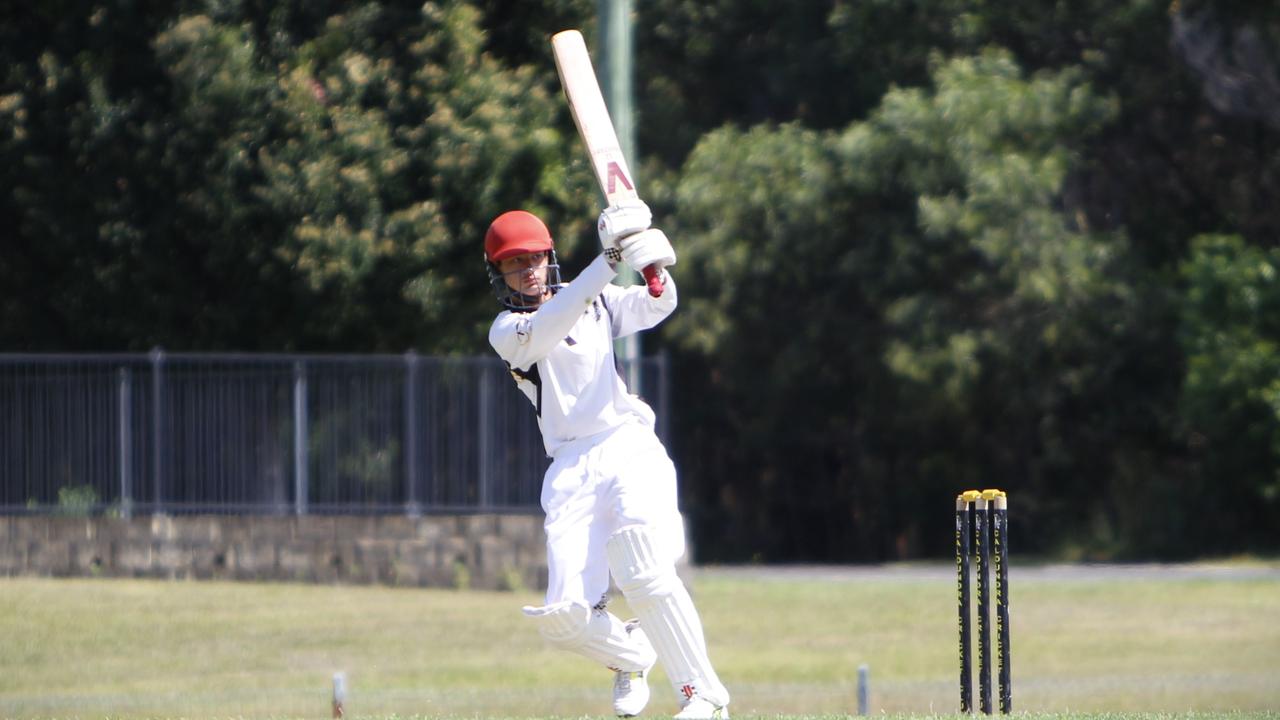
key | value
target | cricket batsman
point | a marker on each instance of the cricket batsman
(610, 492)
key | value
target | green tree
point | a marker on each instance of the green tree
(1086, 414)
(912, 305)
(270, 177)
(1231, 396)
(78, 99)
(394, 143)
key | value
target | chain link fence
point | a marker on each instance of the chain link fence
(284, 434)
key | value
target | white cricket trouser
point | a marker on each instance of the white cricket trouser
(595, 487)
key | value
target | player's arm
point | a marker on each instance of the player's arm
(632, 309)
(523, 339)
(635, 310)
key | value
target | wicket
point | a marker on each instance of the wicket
(982, 521)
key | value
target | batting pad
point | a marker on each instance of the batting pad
(595, 634)
(656, 594)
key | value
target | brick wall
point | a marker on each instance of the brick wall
(467, 551)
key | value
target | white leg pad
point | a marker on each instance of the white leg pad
(656, 594)
(595, 634)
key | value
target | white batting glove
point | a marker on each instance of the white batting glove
(618, 221)
(650, 247)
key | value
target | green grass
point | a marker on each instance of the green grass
(127, 648)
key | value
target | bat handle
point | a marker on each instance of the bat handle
(653, 278)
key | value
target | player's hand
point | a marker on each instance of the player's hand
(650, 247)
(618, 221)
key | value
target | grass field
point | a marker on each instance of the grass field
(785, 644)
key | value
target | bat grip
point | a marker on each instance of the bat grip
(653, 278)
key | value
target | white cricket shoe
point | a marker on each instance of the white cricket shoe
(630, 693)
(700, 708)
(631, 689)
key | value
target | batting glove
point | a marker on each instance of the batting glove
(650, 247)
(618, 221)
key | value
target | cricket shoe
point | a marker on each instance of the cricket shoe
(631, 689)
(700, 708)
(630, 693)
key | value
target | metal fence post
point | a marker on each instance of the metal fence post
(124, 419)
(299, 438)
(484, 432)
(864, 689)
(664, 395)
(412, 507)
(157, 429)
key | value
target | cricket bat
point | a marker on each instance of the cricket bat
(590, 114)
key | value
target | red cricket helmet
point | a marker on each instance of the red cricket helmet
(516, 232)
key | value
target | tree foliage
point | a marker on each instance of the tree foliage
(273, 178)
(1231, 399)
(881, 287)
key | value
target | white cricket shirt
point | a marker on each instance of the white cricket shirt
(561, 355)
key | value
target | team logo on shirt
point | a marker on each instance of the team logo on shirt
(524, 330)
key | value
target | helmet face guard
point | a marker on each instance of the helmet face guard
(515, 300)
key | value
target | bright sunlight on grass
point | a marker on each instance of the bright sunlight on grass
(783, 645)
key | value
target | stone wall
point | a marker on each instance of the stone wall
(456, 551)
